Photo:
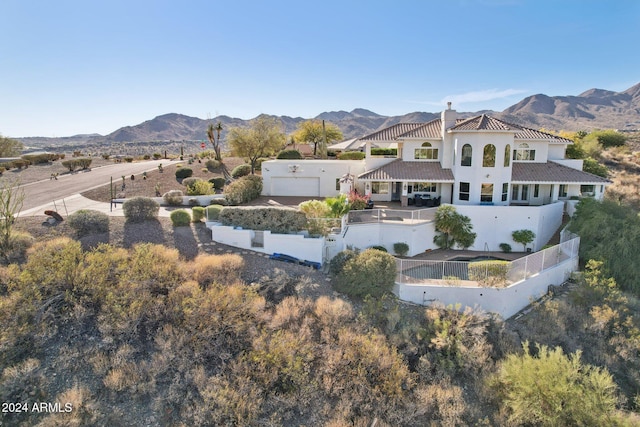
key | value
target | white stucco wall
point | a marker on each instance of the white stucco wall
(556, 151)
(418, 237)
(494, 224)
(299, 246)
(476, 174)
(325, 171)
(506, 302)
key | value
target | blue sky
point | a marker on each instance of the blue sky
(81, 66)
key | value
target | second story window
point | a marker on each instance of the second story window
(524, 153)
(426, 152)
(507, 155)
(489, 156)
(466, 155)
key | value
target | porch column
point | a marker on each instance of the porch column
(404, 197)
(555, 192)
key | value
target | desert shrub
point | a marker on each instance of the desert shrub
(182, 173)
(489, 273)
(84, 162)
(188, 181)
(218, 183)
(213, 212)
(204, 170)
(173, 197)
(289, 154)
(2, 169)
(200, 188)
(351, 155)
(20, 163)
(221, 269)
(593, 166)
(243, 190)
(212, 164)
(87, 221)
(180, 218)
(106, 156)
(19, 243)
(378, 248)
(551, 389)
(197, 213)
(157, 156)
(371, 272)
(37, 159)
(146, 157)
(278, 220)
(140, 209)
(338, 262)
(128, 159)
(401, 248)
(240, 171)
(505, 247)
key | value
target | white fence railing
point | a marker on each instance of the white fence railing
(485, 274)
(380, 215)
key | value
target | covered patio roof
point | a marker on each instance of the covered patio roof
(400, 170)
(552, 172)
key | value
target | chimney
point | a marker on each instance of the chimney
(448, 118)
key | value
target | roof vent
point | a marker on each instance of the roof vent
(449, 105)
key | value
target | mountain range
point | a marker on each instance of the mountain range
(593, 109)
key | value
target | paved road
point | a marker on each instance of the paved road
(44, 192)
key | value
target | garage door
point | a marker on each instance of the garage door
(295, 186)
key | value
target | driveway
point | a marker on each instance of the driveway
(45, 192)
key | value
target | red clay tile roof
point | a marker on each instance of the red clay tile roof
(524, 172)
(484, 122)
(432, 129)
(391, 133)
(399, 170)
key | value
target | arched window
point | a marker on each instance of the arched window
(489, 156)
(466, 155)
(426, 152)
(524, 153)
(507, 155)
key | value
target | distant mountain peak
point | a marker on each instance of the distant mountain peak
(362, 112)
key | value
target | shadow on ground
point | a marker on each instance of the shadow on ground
(185, 241)
(142, 232)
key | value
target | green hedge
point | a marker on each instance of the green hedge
(182, 173)
(218, 183)
(241, 170)
(492, 273)
(87, 221)
(289, 154)
(243, 190)
(197, 213)
(371, 272)
(351, 155)
(173, 197)
(139, 209)
(278, 220)
(213, 212)
(384, 151)
(180, 218)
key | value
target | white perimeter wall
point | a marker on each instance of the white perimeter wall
(296, 245)
(494, 224)
(505, 301)
(418, 237)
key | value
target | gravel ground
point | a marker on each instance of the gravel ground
(190, 242)
(41, 172)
